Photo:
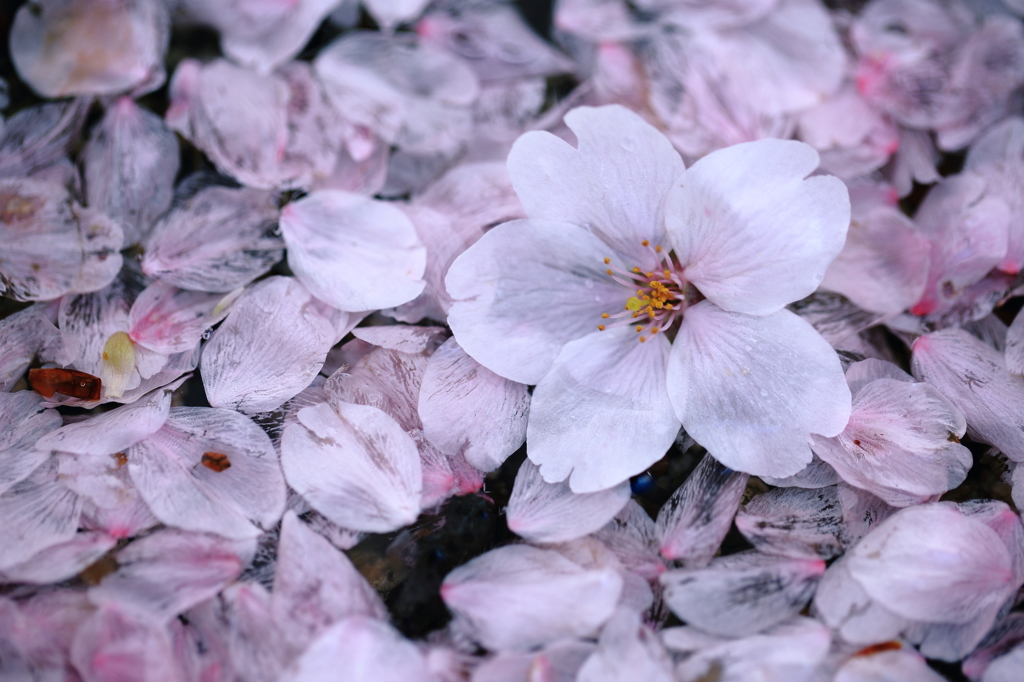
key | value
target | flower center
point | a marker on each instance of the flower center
(661, 295)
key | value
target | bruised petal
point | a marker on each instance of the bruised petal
(216, 239)
(693, 522)
(973, 376)
(81, 48)
(270, 347)
(518, 597)
(550, 512)
(553, 289)
(130, 164)
(753, 232)
(355, 466)
(602, 413)
(210, 470)
(559, 183)
(793, 522)
(315, 585)
(741, 594)
(340, 243)
(458, 397)
(752, 389)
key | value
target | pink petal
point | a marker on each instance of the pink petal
(793, 522)
(130, 163)
(355, 466)
(112, 431)
(602, 413)
(627, 649)
(752, 389)
(114, 645)
(403, 338)
(559, 662)
(360, 649)
(900, 665)
(215, 239)
(841, 603)
(62, 561)
(169, 320)
(168, 572)
(972, 375)
(695, 520)
(550, 512)
(458, 396)
(517, 597)
(554, 289)
(633, 538)
(39, 136)
(338, 242)
(210, 470)
(753, 232)
(24, 335)
(315, 586)
(383, 378)
(1015, 346)
(928, 550)
(255, 361)
(995, 156)
(729, 597)
(603, 184)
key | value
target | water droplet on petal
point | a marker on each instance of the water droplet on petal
(764, 393)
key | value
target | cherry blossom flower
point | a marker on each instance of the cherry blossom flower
(623, 249)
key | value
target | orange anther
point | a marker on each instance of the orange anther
(658, 249)
(600, 327)
(605, 315)
(639, 328)
(642, 339)
(607, 261)
(608, 271)
(645, 243)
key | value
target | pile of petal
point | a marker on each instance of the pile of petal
(665, 340)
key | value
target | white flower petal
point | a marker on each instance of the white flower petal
(115, 643)
(841, 603)
(753, 232)
(752, 389)
(467, 408)
(526, 289)
(614, 184)
(602, 414)
(403, 338)
(169, 320)
(627, 650)
(22, 422)
(517, 597)
(62, 561)
(39, 511)
(545, 512)
(353, 252)
(355, 466)
(270, 347)
(210, 470)
(383, 378)
(794, 522)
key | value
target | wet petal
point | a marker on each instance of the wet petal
(741, 594)
(553, 289)
(753, 232)
(270, 347)
(604, 185)
(518, 597)
(693, 522)
(602, 413)
(752, 389)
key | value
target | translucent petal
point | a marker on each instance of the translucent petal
(627, 649)
(22, 422)
(62, 561)
(115, 644)
(39, 512)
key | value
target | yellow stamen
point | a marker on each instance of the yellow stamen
(642, 339)
(639, 328)
(607, 261)
(608, 271)
(666, 273)
(636, 270)
(654, 330)
(658, 249)
(633, 303)
(645, 243)
(605, 315)
(600, 327)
